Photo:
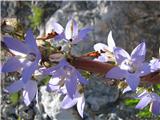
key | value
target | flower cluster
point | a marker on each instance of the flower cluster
(66, 79)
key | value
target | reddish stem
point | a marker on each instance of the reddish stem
(103, 68)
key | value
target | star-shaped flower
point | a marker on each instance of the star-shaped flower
(64, 74)
(29, 89)
(104, 50)
(26, 53)
(149, 98)
(71, 33)
(131, 67)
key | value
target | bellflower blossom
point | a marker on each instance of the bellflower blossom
(102, 48)
(149, 98)
(70, 33)
(26, 56)
(64, 74)
(131, 67)
(29, 89)
(78, 99)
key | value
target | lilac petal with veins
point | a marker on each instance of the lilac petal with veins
(12, 65)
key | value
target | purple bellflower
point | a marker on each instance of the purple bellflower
(27, 56)
(70, 33)
(102, 48)
(149, 98)
(78, 99)
(130, 67)
(64, 74)
(29, 89)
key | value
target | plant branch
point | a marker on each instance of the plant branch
(103, 68)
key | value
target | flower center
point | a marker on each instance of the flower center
(130, 66)
(31, 57)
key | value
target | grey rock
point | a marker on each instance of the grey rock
(51, 104)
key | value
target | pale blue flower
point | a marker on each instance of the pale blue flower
(103, 49)
(130, 67)
(27, 56)
(64, 74)
(149, 98)
(29, 89)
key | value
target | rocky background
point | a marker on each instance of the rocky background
(131, 23)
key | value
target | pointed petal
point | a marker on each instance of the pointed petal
(133, 81)
(16, 45)
(71, 85)
(155, 108)
(138, 54)
(127, 89)
(29, 92)
(83, 33)
(81, 79)
(58, 28)
(31, 41)
(51, 87)
(71, 29)
(54, 80)
(75, 28)
(11, 65)
(144, 69)
(111, 43)
(68, 102)
(100, 46)
(59, 37)
(15, 87)
(143, 102)
(120, 55)
(80, 105)
(28, 71)
(116, 73)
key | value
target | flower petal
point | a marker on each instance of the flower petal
(28, 71)
(138, 54)
(80, 105)
(102, 58)
(30, 91)
(11, 65)
(120, 55)
(15, 87)
(16, 45)
(143, 102)
(59, 37)
(127, 89)
(133, 81)
(81, 79)
(71, 85)
(155, 107)
(71, 29)
(31, 41)
(58, 28)
(111, 43)
(51, 87)
(83, 33)
(100, 47)
(144, 69)
(116, 73)
(54, 80)
(68, 102)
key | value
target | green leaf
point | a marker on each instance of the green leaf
(131, 102)
(45, 80)
(14, 98)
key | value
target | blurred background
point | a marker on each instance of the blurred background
(130, 23)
